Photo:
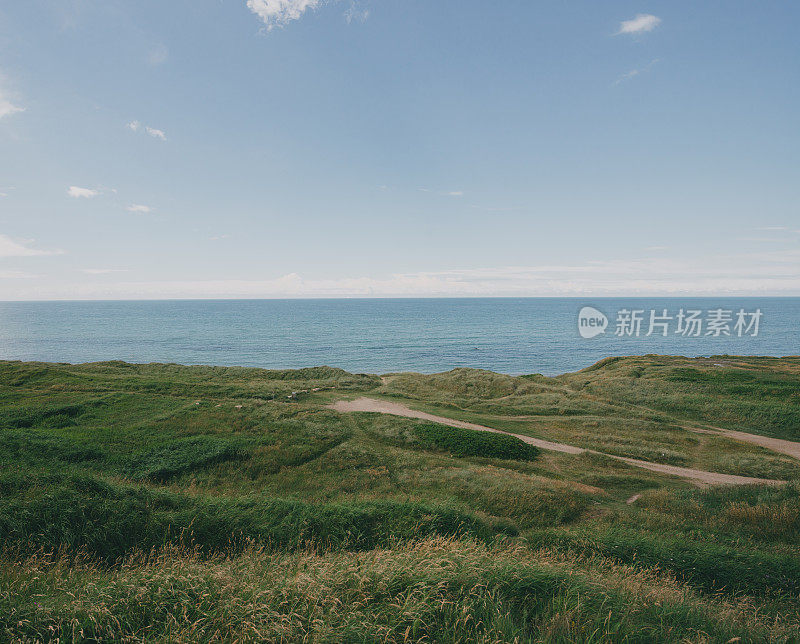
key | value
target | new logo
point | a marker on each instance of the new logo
(591, 322)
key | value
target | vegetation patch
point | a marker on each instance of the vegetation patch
(82, 513)
(711, 566)
(184, 455)
(188, 504)
(19, 446)
(435, 590)
(469, 442)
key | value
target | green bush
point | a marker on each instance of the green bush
(470, 442)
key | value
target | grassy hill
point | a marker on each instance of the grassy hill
(163, 502)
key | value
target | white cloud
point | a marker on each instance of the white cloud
(137, 126)
(158, 134)
(137, 207)
(16, 275)
(7, 108)
(276, 13)
(642, 23)
(158, 55)
(103, 271)
(19, 248)
(635, 72)
(448, 193)
(8, 104)
(764, 273)
(356, 14)
(627, 76)
(85, 193)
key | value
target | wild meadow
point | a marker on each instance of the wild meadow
(185, 504)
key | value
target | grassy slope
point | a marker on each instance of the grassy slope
(638, 407)
(110, 459)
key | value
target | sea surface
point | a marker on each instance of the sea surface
(509, 335)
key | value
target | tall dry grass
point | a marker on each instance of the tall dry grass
(442, 590)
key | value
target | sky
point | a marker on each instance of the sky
(336, 148)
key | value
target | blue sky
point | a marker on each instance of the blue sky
(281, 148)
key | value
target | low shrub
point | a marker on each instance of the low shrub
(470, 442)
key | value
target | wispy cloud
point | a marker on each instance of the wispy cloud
(137, 126)
(82, 193)
(21, 248)
(635, 72)
(7, 108)
(158, 134)
(276, 13)
(355, 13)
(137, 207)
(158, 55)
(8, 102)
(642, 23)
(762, 273)
(445, 193)
(103, 271)
(16, 275)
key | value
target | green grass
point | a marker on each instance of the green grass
(171, 503)
(469, 442)
(82, 514)
(433, 590)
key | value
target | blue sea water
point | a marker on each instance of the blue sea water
(509, 335)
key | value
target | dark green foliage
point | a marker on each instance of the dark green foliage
(702, 563)
(469, 442)
(51, 416)
(17, 446)
(184, 455)
(79, 512)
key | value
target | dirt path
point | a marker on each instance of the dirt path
(790, 448)
(699, 477)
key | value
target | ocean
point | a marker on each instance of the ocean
(508, 335)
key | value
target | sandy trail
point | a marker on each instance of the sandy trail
(699, 477)
(790, 448)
